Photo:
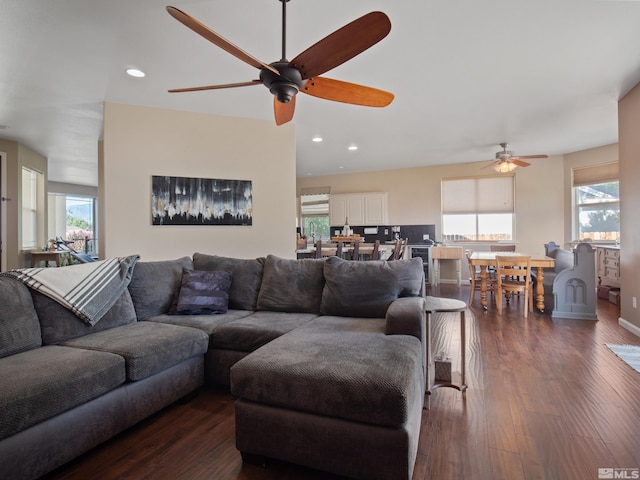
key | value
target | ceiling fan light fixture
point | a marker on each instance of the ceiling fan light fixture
(505, 167)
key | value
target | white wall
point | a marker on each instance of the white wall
(140, 142)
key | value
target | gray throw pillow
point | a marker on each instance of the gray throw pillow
(203, 293)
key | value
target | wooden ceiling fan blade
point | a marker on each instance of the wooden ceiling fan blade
(216, 39)
(215, 87)
(346, 92)
(490, 164)
(519, 162)
(531, 156)
(343, 44)
(284, 111)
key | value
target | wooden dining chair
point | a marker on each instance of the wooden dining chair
(502, 248)
(513, 275)
(366, 251)
(328, 250)
(476, 281)
(399, 249)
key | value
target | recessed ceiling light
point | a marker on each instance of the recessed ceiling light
(317, 139)
(135, 72)
(353, 147)
(340, 166)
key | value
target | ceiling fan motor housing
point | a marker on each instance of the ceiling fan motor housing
(284, 86)
(504, 155)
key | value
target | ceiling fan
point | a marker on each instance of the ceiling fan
(285, 78)
(506, 161)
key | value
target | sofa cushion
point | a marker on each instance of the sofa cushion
(203, 292)
(53, 379)
(250, 333)
(154, 285)
(366, 289)
(206, 323)
(147, 347)
(246, 277)
(291, 285)
(19, 326)
(59, 324)
(339, 367)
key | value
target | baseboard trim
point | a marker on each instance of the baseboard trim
(629, 326)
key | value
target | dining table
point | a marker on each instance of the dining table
(539, 261)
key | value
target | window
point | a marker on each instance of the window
(597, 202)
(478, 209)
(314, 209)
(31, 206)
(72, 217)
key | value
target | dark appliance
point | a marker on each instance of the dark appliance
(423, 252)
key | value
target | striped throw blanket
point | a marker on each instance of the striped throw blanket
(88, 289)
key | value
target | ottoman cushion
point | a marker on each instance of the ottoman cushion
(338, 367)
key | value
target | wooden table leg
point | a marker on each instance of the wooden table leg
(539, 289)
(483, 286)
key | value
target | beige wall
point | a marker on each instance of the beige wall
(414, 196)
(629, 146)
(18, 156)
(140, 142)
(543, 195)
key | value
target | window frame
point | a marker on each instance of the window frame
(591, 175)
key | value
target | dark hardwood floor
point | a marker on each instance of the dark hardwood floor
(546, 401)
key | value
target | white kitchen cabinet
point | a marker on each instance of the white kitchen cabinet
(360, 208)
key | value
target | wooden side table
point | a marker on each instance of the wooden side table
(441, 305)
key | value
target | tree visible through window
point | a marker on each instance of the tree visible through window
(598, 211)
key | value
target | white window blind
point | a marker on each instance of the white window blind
(603, 173)
(314, 204)
(478, 195)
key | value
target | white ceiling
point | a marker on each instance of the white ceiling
(543, 75)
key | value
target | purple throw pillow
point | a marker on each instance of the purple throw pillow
(203, 293)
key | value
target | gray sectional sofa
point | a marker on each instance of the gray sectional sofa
(326, 357)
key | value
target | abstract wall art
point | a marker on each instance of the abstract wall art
(200, 201)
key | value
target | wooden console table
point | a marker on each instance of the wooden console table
(46, 257)
(445, 253)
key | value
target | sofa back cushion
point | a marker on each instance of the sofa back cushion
(59, 324)
(366, 289)
(19, 326)
(246, 277)
(154, 285)
(291, 285)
